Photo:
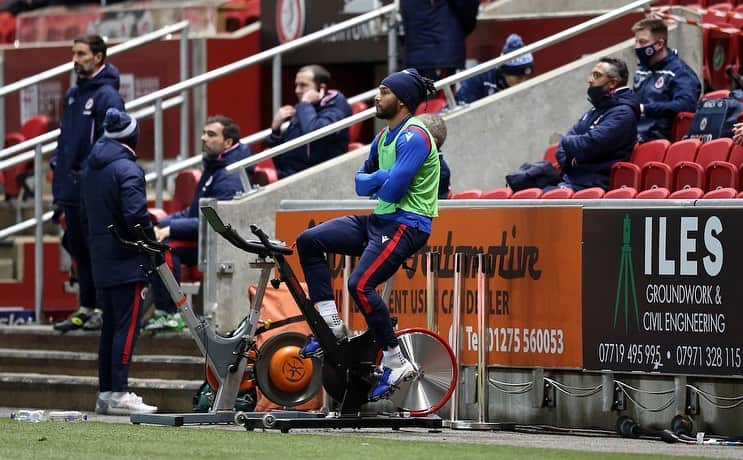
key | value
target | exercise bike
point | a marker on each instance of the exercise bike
(347, 371)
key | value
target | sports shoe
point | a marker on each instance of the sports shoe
(78, 320)
(312, 348)
(101, 404)
(390, 379)
(165, 322)
(129, 404)
(94, 322)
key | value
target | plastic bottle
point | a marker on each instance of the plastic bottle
(30, 416)
(67, 416)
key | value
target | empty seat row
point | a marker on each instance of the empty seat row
(596, 193)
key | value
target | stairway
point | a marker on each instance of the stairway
(40, 368)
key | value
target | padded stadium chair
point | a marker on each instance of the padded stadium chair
(621, 193)
(473, 194)
(502, 193)
(550, 154)
(726, 192)
(657, 174)
(431, 106)
(33, 127)
(7, 27)
(527, 194)
(720, 48)
(354, 131)
(717, 13)
(265, 172)
(561, 193)
(681, 125)
(628, 173)
(185, 189)
(721, 174)
(692, 193)
(156, 214)
(591, 193)
(355, 146)
(717, 94)
(11, 184)
(654, 194)
(692, 174)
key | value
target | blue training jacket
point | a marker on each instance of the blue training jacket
(82, 125)
(216, 183)
(114, 192)
(482, 85)
(604, 135)
(309, 117)
(665, 89)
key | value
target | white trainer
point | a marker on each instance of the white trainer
(129, 404)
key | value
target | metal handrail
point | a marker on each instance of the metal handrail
(445, 84)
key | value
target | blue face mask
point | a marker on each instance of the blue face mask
(646, 53)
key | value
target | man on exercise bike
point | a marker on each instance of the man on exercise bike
(402, 172)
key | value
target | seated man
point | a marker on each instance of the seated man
(664, 84)
(505, 76)
(436, 126)
(220, 143)
(318, 107)
(603, 135)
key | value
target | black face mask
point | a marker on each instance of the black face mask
(596, 93)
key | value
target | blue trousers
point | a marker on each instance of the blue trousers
(382, 246)
(75, 242)
(175, 257)
(121, 314)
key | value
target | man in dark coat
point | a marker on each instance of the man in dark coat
(605, 134)
(86, 104)
(221, 146)
(318, 107)
(114, 192)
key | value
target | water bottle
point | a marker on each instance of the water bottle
(67, 416)
(30, 416)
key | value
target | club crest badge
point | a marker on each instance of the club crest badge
(660, 82)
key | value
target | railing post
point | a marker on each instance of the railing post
(276, 82)
(183, 49)
(2, 100)
(432, 264)
(346, 296)
(159, 153)
(39, 236)
(392, 40)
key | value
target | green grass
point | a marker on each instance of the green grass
(95, 440)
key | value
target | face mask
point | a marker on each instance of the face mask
(645, 54)
(595, 93)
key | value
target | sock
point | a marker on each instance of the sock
(393, 357)
(104, 395)
(329, 313)
(118, 395)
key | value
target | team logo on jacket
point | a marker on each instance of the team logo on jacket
(660, 82)
(703, 124)
(89, 104)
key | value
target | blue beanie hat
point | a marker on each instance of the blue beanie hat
(120, 126)
(522, 65)
(409, 86)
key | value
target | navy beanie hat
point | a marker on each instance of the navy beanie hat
(121, 126)
(408, 85)
(522, 65)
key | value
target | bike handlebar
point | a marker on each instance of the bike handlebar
(145, 243)
(264, 247)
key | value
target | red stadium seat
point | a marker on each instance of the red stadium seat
(431, 106)
(550, 154)
(473, 194)
(681, 125)
(591, 193)
(627, 174)
(726, 192)
(717, 94)
(355, 146)
(265, 172)
(655, 193)
(621, 193)
(7, 27)
(657, 174)
(692, 174)
(561, 193)
(9, 176)
(185, 189)
(720, 52)
(354, 131)
(497, 194)
(156, 214)
(687, 193)
(721, 174)
(527, 194)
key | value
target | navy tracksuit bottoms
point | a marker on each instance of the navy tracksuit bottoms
(75, 242)
(121, 315)
(382, 245)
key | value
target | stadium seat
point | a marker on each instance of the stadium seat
(692, 173)
(473, 194)
(527, 194)
(354, 131)
(657, 174)
(10, 183)
(431, 106)
(621, 193)
(717, 94)
(654, 193)
(185, 189)
(681, 125)
(717, 13)
(720, 52)
(33, 127)
(265, 172)
(355, 146)
(497, 194)
(726, 192)
(550, 154)
(156, 214)
(627, 174)
(721, 174)
(561, 193)
(687, 193)
(7, 27)
(589, 193)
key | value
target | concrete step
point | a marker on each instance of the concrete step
(79, 392)
(73, 363)
(43, 337)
